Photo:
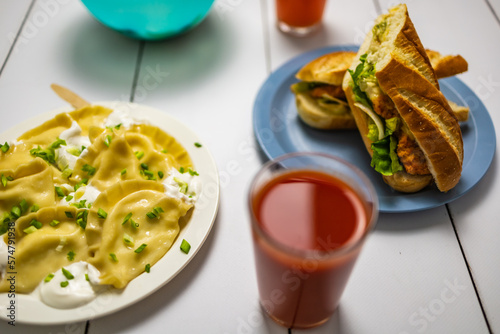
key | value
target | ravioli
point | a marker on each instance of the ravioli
(31, 182)
(125, 165)
(46, 249)
(127, 227)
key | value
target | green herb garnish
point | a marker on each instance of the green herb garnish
(140, 248)
(101, 213)
(71, 255)
(113, 257)
(185, 246)
(89, 169)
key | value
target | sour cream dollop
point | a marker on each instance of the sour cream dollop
(74, 140)
(183, 186)
(77, 292)
(89, 193)
(123, 117)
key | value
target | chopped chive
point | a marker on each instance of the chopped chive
(30, 230)
(23, 205)
(74, 151)
(197, 144)
(164, 150)
(87, 277)
(59, 191)
(4, 180)
(5, 147)
(81, 218)
(128, 240)
(185, 246)
(134, 224)
(144, 166)
(80, 204)
(147, 268)
(69, 214)
(183, 186)
(160, 174)
(127, 217)
(113, 257)
(35, 208)
(71, 255)
(66, 173)
(182, 170)
(80, 184)
(139, 154)
(124, 171)
(15, 211)
(36, 224)
(101, 213)
(157, 210)
(64, 284)
(89, 169)
(117, 126)
(140, 248)
(192, 172)
(107, 140)
(57, 144)
(151, 215)
(69, 198)
(54, 223)
(48, 278)
(67, 274)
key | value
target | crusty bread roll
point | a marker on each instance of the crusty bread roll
(331, 68)
(404, 74)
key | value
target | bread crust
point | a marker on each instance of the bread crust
(329, 68)
(313, 115)
(448, 65)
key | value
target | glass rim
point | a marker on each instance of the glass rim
(307, 253)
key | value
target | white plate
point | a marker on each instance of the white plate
(31, 310)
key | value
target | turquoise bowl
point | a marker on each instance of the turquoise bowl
(149, 19)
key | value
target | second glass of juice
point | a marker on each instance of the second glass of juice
(310, 215)
(299, 17)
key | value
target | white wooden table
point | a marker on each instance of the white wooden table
(435, 271)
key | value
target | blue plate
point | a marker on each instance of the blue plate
(279, 130)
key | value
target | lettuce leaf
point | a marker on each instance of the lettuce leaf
(363, 71)
(384, 159)
(391, 125)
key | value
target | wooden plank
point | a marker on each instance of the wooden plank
(13, 14)
(398, 284)
(208, 79)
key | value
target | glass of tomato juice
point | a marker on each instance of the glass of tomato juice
(310, 215)
(299, 17)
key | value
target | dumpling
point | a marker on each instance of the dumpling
(139, 214)
(110, 160)
(42, 249)
(31, 182)
(89, 117)
(161, 142)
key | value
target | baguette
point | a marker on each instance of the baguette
(322, 112)
(406, 123)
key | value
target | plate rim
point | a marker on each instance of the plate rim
(262, 110)
(208, 216)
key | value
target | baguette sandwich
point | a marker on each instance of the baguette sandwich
(405, 121)
(320, 99)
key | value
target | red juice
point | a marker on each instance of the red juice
(300, 13)
(306, 243)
